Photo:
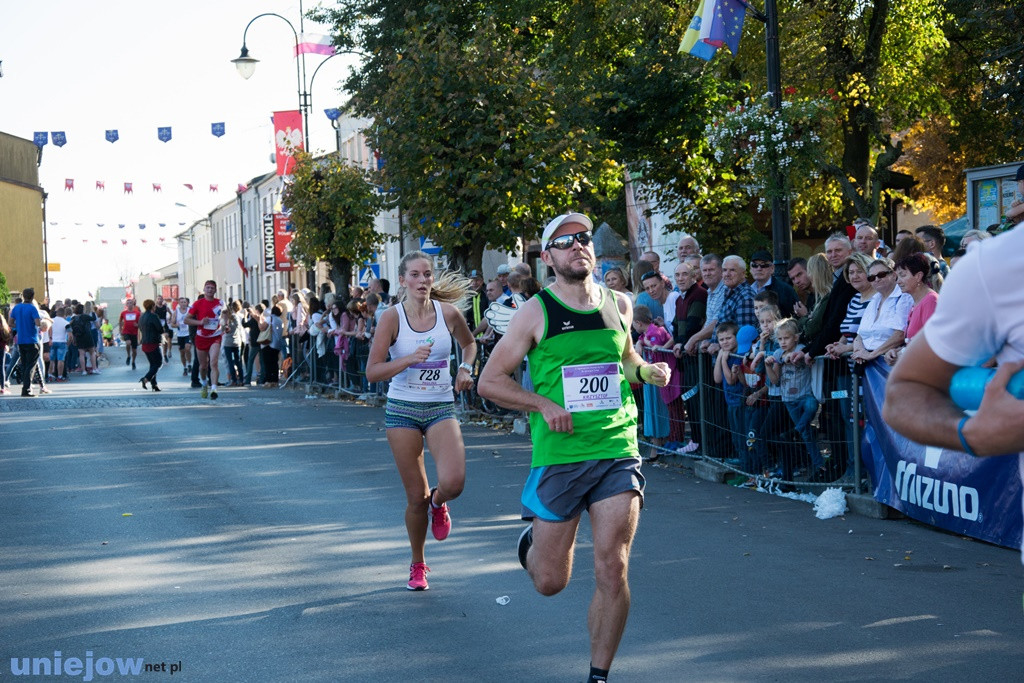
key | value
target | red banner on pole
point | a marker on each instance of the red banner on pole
(287, 139)
(283, 234)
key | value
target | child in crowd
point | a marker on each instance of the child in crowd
(793, 374)
(727, 375)
(759, 390)
(650, 337)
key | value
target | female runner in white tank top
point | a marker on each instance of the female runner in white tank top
(418, 333)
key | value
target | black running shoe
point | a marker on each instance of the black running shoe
(525, 541)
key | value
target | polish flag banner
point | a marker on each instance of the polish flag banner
(287, 139)
(314, 43)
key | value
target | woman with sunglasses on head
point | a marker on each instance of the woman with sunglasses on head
(416, 334)
(884, 322)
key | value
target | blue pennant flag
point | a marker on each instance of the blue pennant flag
(120, 225)
(217, 129)
(333, 114)
(142, 226)
(112, 135)
(41, 139)
(164, 133)
(59, 138)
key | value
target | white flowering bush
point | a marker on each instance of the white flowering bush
(761, 140)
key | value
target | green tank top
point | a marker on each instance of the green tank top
(584, 348)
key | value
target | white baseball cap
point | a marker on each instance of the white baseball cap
(550, 228)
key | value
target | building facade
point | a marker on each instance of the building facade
(22, 219)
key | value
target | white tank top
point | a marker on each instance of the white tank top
(181, 328)
(430, 380)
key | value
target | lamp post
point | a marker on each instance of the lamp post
(246, 66)
(782, 236)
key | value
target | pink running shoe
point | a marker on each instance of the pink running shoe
(418, 576)
(440, 520)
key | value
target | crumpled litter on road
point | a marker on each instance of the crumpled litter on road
(503, 600)
(831, 503)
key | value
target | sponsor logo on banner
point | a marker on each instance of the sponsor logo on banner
(269, 261)
(976, 497)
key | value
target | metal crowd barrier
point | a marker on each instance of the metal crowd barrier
(769, 441)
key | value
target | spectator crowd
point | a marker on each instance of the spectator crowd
(756, 359)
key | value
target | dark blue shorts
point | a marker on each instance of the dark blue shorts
(557, 493)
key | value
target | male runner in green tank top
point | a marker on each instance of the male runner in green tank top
(583, 427)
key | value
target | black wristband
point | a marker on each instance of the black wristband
(639, 377)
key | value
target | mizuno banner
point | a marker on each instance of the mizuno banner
(976, 497)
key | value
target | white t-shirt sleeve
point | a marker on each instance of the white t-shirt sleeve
(980, 312)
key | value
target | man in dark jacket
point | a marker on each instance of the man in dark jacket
(761, 268)
(836, 376)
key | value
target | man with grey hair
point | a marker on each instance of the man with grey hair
(738, 305)
(523, 268)
(688, 246)
(866, 240)
(837, 252)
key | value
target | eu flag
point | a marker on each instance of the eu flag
(722, 23)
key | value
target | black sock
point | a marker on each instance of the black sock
(598, 674)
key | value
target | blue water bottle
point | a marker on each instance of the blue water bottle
(968, 386)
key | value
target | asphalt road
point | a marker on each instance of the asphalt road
(260, 538)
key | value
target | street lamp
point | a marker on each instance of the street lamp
(246, 66)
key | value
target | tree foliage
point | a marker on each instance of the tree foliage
(983, 83)
(333, 206)
(492, 116)
(474, 147)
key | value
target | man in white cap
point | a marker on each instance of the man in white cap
(503, 271)
(582, 424)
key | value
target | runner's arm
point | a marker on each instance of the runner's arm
(917, 405)
(650, 373)
(378, 367)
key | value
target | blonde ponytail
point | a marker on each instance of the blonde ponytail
(449, 287)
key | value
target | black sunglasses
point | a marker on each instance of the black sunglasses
(878, 276)
(760, 264)
(563, 242)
